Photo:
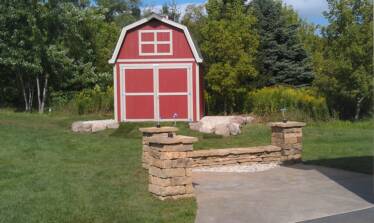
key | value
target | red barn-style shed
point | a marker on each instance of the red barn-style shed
(156, 72)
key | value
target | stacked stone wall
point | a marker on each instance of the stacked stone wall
(170, 158)
(170, 168)
(153, 132)
(288, 136)
(233, 156)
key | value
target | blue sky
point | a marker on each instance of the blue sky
(311, 10)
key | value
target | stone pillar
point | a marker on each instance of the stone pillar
(150, 132)
(170, 167)
(288, 136)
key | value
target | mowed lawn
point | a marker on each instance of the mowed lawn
(49, 174)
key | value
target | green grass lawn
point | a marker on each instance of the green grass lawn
(49, 174)
(339, 144)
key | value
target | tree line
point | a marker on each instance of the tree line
(63, 46)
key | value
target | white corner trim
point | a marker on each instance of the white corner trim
(197, 93)
(115, 93)
(192, 45)
(118, 46)
(142, 21)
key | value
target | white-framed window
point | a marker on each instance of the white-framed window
(155, 42)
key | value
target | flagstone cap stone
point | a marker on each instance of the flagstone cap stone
(235, 151)
(159, 130)
(172, 140)
(289, 124)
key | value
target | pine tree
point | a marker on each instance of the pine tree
(282, 58)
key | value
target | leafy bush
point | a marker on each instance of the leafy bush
(94, 100)
(59, 99)
(86, 101)
(302, 103)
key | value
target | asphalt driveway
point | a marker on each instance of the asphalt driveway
(284, 194)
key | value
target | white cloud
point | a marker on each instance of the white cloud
(308, 9)
(181, 7)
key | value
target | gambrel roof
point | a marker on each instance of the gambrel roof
(193, 46)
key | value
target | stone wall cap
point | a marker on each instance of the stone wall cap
(158, 130)
(289, 124)
(172, 140)
(234, 151)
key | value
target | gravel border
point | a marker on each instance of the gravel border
(237, 168)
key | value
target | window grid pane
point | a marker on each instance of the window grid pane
(161, 42)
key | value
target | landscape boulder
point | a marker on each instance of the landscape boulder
(234, 128)
(94, 125)
(222, 129)
(221, 125)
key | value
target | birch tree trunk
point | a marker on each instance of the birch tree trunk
(358, 107)
(42, 97)
(22, 84)
(44, 93)
(38, 91)
(31, 96)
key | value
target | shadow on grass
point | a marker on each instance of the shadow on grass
(362, 164)
(360, 184)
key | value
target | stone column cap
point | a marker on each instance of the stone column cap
(288, 124)
(172, 140)
(159, 130)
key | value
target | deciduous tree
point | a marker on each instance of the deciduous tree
(347, 74)
(229, 45)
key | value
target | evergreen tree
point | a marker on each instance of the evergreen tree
(282, 58)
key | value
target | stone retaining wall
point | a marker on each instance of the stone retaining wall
(170, 158)
(170, 167)
(243, 156)
(286, 147)
(153, 132)
(289, 137)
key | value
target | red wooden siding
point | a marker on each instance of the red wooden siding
(173, 104)
(172, 80)
(130, 46)
(139, 107)
(149, 87)
(139, 81)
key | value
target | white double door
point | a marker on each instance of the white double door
(156, 92)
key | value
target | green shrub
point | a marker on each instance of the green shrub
(300, 103)
(59, 99)
(93, 101)
(87, 101)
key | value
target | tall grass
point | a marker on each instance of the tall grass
(87, 101)
(301, 104)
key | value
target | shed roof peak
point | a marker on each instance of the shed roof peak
(160, 18)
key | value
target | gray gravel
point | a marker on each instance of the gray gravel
(237, 168)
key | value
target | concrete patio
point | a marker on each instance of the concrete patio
(284, 194)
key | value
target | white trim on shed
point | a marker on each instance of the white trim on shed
(167, 21)
(156, 93)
